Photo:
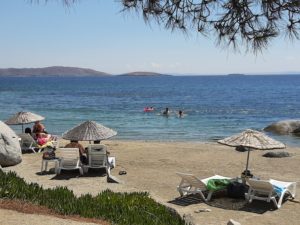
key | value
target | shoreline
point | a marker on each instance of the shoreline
(152, 166)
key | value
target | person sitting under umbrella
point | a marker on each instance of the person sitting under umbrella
(28, 131)
(38, 128)
(82, 151)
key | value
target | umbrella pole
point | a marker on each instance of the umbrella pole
(22, 127)
(247, 160)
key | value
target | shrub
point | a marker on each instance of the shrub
(118, 208)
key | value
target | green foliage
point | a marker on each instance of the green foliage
(234, 23)
(118, 208)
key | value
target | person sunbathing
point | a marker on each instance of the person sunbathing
(82, 151)
(38, 127)
(42, 138)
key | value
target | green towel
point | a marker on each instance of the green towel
(217, 184)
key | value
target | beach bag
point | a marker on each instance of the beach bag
(217, 184)
(237, 190)
(49, 153)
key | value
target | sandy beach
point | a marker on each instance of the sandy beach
(152, 167)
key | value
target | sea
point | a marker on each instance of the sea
(214, 106)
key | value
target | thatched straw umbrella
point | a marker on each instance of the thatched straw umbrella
(24, 118)
(252, 139)
(89, 131)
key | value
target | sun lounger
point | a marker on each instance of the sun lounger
(190, 184)
(28, 143)
(69, 160)
(270, 190)
(97, 158)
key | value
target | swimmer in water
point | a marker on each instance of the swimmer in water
(180, 113)
(166, 112)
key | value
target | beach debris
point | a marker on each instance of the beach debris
(122, 172)
(202, 210)
(277, 154)
(233, 222)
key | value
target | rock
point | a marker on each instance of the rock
(241, 148)
(284, 127)
(233, 222)
(296, 131)
(10, 150)
(277, 154)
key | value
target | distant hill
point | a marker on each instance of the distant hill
(143, 74)
(51, 71)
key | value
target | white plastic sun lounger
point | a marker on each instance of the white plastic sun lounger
(191, 184)
(28, 143)
(270, 190)
(69, 160)
(97, 158)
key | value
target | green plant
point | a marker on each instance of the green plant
(118, 208)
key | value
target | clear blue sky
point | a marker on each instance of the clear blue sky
(94, 34)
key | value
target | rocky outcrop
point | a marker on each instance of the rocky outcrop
(284, 127)
(297, 131)
(10, 150)
(276, 154)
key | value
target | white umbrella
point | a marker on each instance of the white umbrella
(24, 118)
(252, 139)
(89, 131)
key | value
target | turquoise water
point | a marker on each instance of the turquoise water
(215, 106)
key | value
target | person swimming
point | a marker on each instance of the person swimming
(166, 112)
(148, 109)
(180, 113)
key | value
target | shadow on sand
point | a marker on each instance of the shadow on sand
(69, 174)
(224, 202)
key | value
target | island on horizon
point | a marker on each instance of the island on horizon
(143, 74)
(51, 71)
(62, 71)
(236, 74)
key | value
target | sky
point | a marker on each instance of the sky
(95, 34)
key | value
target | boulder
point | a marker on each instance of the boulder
(10, 150)
(283, 127)
(277, 154)
(296, 131)
(241, 148)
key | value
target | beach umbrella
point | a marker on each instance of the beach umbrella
(24, 118)
(252, 139)
(89, 131)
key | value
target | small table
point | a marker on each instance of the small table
(45, 164)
